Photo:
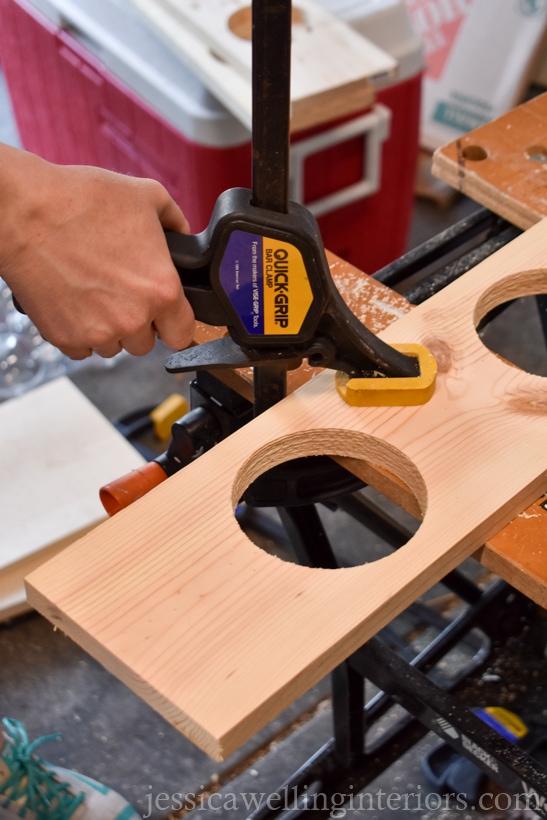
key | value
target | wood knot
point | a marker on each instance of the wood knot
(442, 352)
(530, 401)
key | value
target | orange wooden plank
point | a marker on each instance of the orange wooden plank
(502, 165)
(519, 552)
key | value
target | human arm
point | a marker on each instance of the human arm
(84, 252)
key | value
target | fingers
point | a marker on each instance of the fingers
(172, 321)
(108, 351)
(172, 218)
(139, 344)
(77, 354)
(175, 326)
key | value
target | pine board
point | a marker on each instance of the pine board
(332, 65)
(57, 450)
(502, 165)
(220, 637)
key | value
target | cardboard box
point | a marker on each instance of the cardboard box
(479, 58)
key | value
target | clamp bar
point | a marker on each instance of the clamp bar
(271, 76)
(271, 81)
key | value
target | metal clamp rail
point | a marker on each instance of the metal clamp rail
(438, 261)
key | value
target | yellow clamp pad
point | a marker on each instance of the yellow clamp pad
(392, 392)
(167, 413)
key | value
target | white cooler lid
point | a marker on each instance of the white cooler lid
(119, 37)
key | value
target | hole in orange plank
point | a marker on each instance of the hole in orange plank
(363, 494)
(511, 320)
(474, 153)
(537, 153)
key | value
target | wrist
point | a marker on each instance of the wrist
(21, 194)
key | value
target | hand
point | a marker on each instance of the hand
(84, 252)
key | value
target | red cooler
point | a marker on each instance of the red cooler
(91, 84)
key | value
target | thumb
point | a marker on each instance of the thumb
(173, 219)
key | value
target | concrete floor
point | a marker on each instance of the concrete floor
(110, 734)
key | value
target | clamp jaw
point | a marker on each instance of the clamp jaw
(264, 275)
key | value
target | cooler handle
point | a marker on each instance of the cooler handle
(374, 127)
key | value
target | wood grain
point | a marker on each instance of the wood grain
(502, 165)
(332, 65)
(219, 637)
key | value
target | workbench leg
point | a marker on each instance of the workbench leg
(307, 535)
(348, 712)
(312, 548)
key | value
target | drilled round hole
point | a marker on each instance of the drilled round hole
(537, 153)
(366, 497)
(511, 320)
(241, 23)
(474, 153)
